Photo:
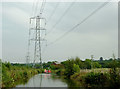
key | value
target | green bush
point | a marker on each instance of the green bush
(114, 80)
(58, 72)
(25, 74)
(96, 79)
(13, 75)
(76, 68)
(8, 65)
(69, 68)
(74, 76)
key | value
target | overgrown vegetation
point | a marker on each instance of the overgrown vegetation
(93, 79)
(13, 75)
(88, 73)
(101, 73)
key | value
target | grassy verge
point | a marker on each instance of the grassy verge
(14, 75)
(93, 78)
(109, 79)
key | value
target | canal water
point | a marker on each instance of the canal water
(45, 80)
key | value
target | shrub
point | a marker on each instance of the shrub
(8, 65)
(74, 76)
(76, 68)
(13, 74)
(96, 79)
(69, 68)
(114, 80)
(25, 74)
(58, 72)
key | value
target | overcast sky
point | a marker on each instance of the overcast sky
(97, 36)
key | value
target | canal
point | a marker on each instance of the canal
(48, 80)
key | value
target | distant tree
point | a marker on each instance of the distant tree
(53, 67)
(101, 58)
(113, 64)
(76, 68)
(87, 63)
(110, 59)
(8, 65)
(118, 59)
(119, 63)
(69, 67)
(96, 65)
(79, 62)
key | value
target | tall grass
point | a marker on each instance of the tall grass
(14, 75)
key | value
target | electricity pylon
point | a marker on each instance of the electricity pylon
(37, 26)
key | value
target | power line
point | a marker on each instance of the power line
(42, 6)
(36, 7)
(73, 28)
(53, 12)
(61, 18)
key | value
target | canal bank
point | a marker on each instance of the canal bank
(14, 75)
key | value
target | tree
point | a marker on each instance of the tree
(96, 65)
(87, 63)
(8, 65)
(79, 62)
(101, 58)
(76, 68)
(69, 68)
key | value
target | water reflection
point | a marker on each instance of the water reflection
(51, 80)
(44, 80)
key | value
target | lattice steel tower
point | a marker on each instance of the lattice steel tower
(37, 26)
